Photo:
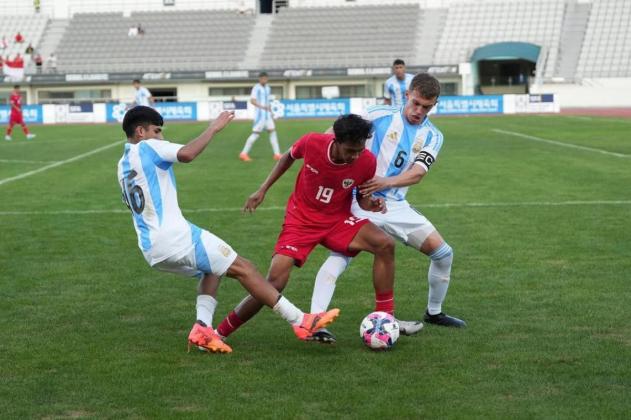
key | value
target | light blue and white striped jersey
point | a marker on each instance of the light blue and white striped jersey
(394, 89)
(145, 174)
(398, 145)
(142, 96)
(262, 95)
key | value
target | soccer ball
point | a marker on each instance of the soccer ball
(379, 331)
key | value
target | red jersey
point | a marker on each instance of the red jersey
(324, 190)
(16, 101)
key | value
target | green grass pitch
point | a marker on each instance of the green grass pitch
(541, 230)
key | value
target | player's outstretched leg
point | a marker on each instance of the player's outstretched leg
(267, 293)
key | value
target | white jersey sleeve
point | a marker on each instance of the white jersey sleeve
(166, 151)
(432, 140)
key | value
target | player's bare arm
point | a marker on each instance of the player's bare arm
(195, 147)
(256, 198)
(371, 203)
(412, 176)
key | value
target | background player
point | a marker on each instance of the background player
(263, 118)
(16, 116)
(396, 86)
(143, 96)
(406, 145)
(171, 243)
(318, 212)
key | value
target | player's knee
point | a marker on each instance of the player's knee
(443, 253)
(385, 245)
(242, 269)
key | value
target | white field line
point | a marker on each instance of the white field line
(61, 162)
(558, 143)
(277, 208)
(27, 161)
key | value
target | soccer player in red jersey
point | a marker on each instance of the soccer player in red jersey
(16, 114)
(319, 212)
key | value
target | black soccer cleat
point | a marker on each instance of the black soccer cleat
(444, 320)
(323, 336)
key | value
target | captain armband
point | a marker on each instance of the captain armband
(425, 158)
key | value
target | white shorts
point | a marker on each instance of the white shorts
(264, 123)
(209, 255)
(402, 222)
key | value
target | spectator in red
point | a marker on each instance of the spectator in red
(19, 38)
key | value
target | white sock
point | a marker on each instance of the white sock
(250, 142)
(273, 140)
(206, 305)
(288, 311)
(325, 281)
(438, 277)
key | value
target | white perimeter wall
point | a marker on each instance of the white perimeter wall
(591, 93)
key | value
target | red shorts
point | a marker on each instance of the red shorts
(297, 240)
(16, 119)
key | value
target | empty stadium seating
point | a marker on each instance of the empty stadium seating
(182, 40)
(473, 24)
(341, 36)
(606, 51)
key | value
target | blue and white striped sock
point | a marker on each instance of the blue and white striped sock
(438, 277)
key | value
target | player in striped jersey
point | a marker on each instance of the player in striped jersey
(406, 145)
(263, 118)
(396, 87)
(171, 243)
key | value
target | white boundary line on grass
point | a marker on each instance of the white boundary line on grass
(27, 161)
(277, 208)
(61, 162)
(558, 143)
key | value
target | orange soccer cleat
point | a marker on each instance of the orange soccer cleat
(313, 322)
(207, 339)
(244, 157)
(277, 156)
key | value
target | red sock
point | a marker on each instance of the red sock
(229, 324)
(25, 129)
(384, 302)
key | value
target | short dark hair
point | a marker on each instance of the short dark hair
(426, 85)
(16, 86)
(135, 81)
(263, 74)
(140, 116)
(351, 128)
(398, 61)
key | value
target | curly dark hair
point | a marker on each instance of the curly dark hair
(351, 128)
